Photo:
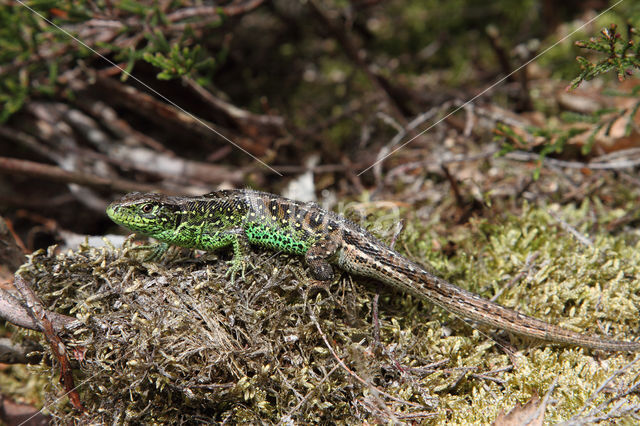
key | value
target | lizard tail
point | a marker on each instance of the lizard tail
(388, 266)
(471, 306)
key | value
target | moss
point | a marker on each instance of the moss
(174, 341)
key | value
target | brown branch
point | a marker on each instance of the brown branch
(13, 166)
(496, 44)
(241, 117)
(531, 257)
(167, 165)
(628, 158)
(169, 117)
(237, 9)
(519, 77)
(200, 11)
(14, 311)
(375, 318)
(108, 117)
(454, 186)
(40, 316)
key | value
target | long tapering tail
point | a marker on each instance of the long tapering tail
(471, 306)
(393, 269)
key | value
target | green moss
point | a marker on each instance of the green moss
(174, 341)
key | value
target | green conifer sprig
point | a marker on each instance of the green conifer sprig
(622, 54)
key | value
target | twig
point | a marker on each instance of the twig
(396, 233)
(415, 416)
(531, 257)
(403, 131)
(429, 368)
(496, 44)
(596, 414)
(29, 168)
(322, 168)
(199, 11)
(543, 405)
(108, 117)
(240, 116)
(487, 375)
(594, 165)
(170, 117)
(40, 316)
(166, 164)
(470, 120)
(454, 186)
(606, 383)
(12, 310)
(376, 322)
(503, 58)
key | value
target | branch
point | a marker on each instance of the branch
(13, 166)
(169, 117)
(14, 311)
(41, 317)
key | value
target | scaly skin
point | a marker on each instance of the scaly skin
(239, 218)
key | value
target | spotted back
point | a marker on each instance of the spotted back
(279, 223)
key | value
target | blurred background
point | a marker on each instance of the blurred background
(449, 114)
(187, 97)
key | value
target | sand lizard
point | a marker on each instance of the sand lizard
(240, 218)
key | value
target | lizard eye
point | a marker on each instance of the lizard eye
(146, 208)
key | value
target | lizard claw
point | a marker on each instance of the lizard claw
(236, 265)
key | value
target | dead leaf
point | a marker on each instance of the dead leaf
(612, 136)
(529, 414)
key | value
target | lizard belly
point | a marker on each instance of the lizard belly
(276, 238)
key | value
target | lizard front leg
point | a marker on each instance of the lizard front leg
(237, 239)
(318, 256)
(156, 251)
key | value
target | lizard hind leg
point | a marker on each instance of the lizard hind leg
(317, 257)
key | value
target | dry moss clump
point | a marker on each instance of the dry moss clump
(176, 342)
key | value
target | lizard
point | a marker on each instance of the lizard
(242, 217)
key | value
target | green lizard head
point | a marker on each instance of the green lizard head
(149, 214)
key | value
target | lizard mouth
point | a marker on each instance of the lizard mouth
(112, 212)
(122, 216)
(125, 216)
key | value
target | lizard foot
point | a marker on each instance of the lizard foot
(156, 251)
(320, 269)
(237, 265)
